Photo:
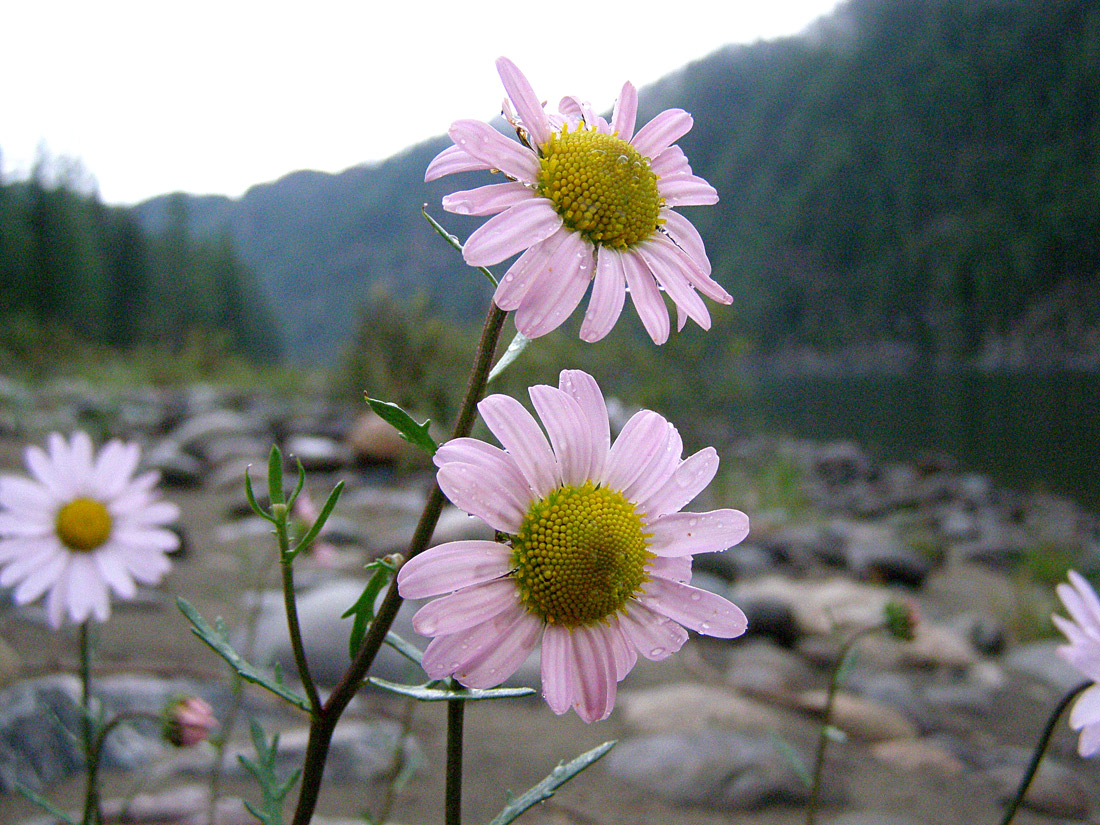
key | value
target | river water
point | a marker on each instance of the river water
(1028, 431)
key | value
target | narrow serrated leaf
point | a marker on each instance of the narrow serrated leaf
(518, 345)
(217, 639)
(547, 787)
(275, 475)
(406, 649)
(363, 609)
(405, 424)
(318, 525)
(424, 693)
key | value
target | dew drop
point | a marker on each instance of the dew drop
(657, 651)
(704, 626)
(695, 597)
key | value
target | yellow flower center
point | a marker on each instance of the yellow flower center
(601, 186)
(579, 555)
(83, 524)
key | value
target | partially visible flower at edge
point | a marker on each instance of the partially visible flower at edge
(188, 721)
(1082, 630)
(82, 527)
(598, 557)
(587, 200)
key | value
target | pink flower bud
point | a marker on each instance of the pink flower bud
(188, 721)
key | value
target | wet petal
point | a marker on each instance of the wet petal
(688, 480)
(699, 610)
(661, 132)
(566, 425)
(452, 566)
(520, 435)
(453, 160)
(527, 103)
(510, 232)
(487, 200)
(497, 663)
(626, 112)
(682, 534)
(465, 608)
(608, 295)
(557, 668)
(583, 388)
(558, 292)
(646, 297)
(486, 144)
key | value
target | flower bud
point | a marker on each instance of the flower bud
(188, 721)
(901, 619)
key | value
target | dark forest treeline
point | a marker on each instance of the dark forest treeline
(920, 171)
(68, 262)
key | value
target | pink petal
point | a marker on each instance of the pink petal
(1088, 601)
(626, 112)
(557, 668)
(446, 654)
(670, 163)
(556, 294)
(24, 525)
(512, 231)
(654, 636)
(666, 270)
(39, 578)
(519, 433)
(608, 295)
(495, 664)
(113, 571)
(594, 674)
(453, 160)
(687, 265)
(642, 441)
(661, 132)
(52, 473)
(566, 424)
(452, 566)
(673, 568)
(700, 610)
(683, 534)
(686, 482)
(527, 103)
(488, 145)
(114, 467)
(623, 654)
(1086, 709)
(493, 461)
(657, 471)
(687, 190)
(646, 297)
(683, 233)
(500, 506)
(583, 388)
(465, 608)
(487, 200)
(1089, 744)
(21, 495)
(526, 271)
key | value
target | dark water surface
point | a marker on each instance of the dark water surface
(1028, 431)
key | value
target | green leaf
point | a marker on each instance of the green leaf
(251, 496)
(409, 651)
(363, 609)
(217, 639)
(792, 758)
(263, 769)
(453, 241)
(322, 517)
(275, 475)
(424, 693)
(547, 787)
(518, 345)
(44, 804)
(406, 426)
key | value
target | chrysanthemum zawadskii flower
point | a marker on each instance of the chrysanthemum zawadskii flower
(597, 560)
(84, 526)
(587, 201)
(1082, 630)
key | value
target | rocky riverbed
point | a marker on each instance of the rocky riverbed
(937, 730)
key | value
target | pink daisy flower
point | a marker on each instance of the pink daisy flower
(1083, 652)
(82, 527)
(586, 201)
(597, 556)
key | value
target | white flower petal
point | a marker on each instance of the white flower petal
(1086, 708)
(686, 482)
(446, 654)
(452, 566)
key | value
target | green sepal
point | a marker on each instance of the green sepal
(547, 787)
(425, 693)
(405, 424)
(217, 639)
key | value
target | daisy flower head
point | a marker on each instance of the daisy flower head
(595, 561)
(84, 525)
(587, 200)
(1082, 630)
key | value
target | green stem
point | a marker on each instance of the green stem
(286, 563)
(823, 735)
(1040, 749)
(452, 813)
(92, 814)
(324, 723)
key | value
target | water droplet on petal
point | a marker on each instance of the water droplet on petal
(657, 651)
(695, 597)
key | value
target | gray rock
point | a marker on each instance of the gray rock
(1039, 661)
(772, 619)
(1055, 790)
(870, 818)
(318, 453)
(876, 553)
(722, 771)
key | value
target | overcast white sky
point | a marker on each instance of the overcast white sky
(213, 96)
